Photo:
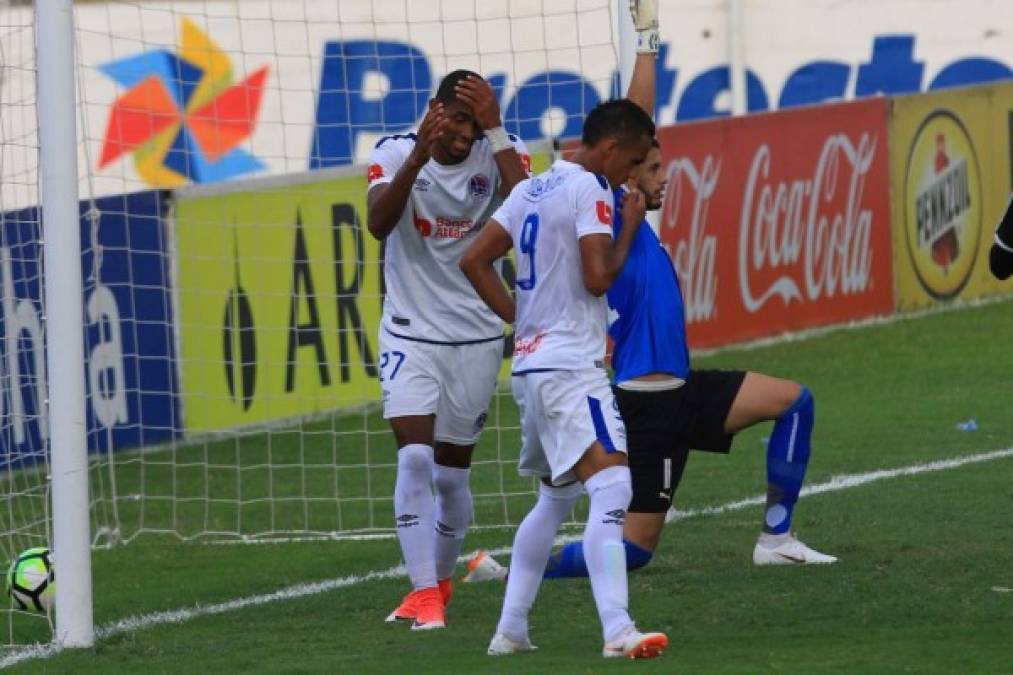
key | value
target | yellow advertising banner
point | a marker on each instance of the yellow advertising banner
(279, 293)
(279, 298)
(950, 156)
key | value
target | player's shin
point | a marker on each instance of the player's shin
(569, 561)
(610, 491)
(454, 510)
(787, 459)
(414, 513)
(532, 545)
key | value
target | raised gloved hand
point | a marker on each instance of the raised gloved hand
(645, 20)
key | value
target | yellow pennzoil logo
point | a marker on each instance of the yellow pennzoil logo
(942, 203)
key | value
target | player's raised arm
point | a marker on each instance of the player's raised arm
(491, 244)
(643, 86)
(477, 93)
(387, 197)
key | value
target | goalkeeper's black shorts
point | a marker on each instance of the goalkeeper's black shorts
(662, 426)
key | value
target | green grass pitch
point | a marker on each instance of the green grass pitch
(924, 558)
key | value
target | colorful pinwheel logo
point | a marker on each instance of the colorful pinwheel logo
(182, 118)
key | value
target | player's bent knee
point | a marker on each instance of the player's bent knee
(803, 400)
(455, 456)
(415, 458)
(570, 492)
(644, 529)
(788, 393)
(597, 459)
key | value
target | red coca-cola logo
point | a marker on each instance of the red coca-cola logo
(779, 222)
(811, 233)
(690, 189)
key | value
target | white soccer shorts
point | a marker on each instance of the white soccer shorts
(562, 413)
(453, 382)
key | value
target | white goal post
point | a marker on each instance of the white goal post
(64, 321)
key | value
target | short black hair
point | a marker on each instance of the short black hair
(446, 93)
(619, 118)
(655, 143)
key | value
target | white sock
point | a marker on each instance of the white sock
(414, 513)
(454, 509)
(610, 491)
(532, 546)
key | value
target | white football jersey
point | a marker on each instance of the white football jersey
(428, 297)
(559, 324)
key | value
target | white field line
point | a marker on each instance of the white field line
(178, 616)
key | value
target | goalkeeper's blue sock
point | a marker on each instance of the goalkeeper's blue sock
(787, 459)
(569, 561)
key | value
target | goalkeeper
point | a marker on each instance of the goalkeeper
(669, 408)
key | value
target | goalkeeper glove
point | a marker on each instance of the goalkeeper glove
(645, 21)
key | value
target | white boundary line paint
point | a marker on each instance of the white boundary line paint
(178, 616)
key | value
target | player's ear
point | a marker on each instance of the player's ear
(432, 102)
(608, 146)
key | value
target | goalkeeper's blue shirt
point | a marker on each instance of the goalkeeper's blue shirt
(650, 332)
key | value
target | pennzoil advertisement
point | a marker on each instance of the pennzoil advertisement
(950, 166)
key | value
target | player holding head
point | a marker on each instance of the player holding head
(428, 195)
(560, 224)
(1001, 256)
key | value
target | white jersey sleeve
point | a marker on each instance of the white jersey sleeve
(510, 213)
(386, 159)
(592, 205)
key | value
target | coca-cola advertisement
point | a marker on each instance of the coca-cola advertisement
(779, 222)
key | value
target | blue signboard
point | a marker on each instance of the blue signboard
(130, 371)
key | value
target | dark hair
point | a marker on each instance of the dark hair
(445, 92)
(619, 118)
(655, 143)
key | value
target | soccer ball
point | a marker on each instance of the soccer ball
(31, 581)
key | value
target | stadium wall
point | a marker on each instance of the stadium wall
(319, 79)
(130, 359)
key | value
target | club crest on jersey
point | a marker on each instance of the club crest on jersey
(604, 213)
(422, 185)
(374, 172)
(478, 186)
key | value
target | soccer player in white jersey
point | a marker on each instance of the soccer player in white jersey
(560, 224)
(429, 193)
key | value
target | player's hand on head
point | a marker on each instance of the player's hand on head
(480, 97)
(634, 206)
(430, 131)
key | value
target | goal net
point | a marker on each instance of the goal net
(231, 292)
(24, 461)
